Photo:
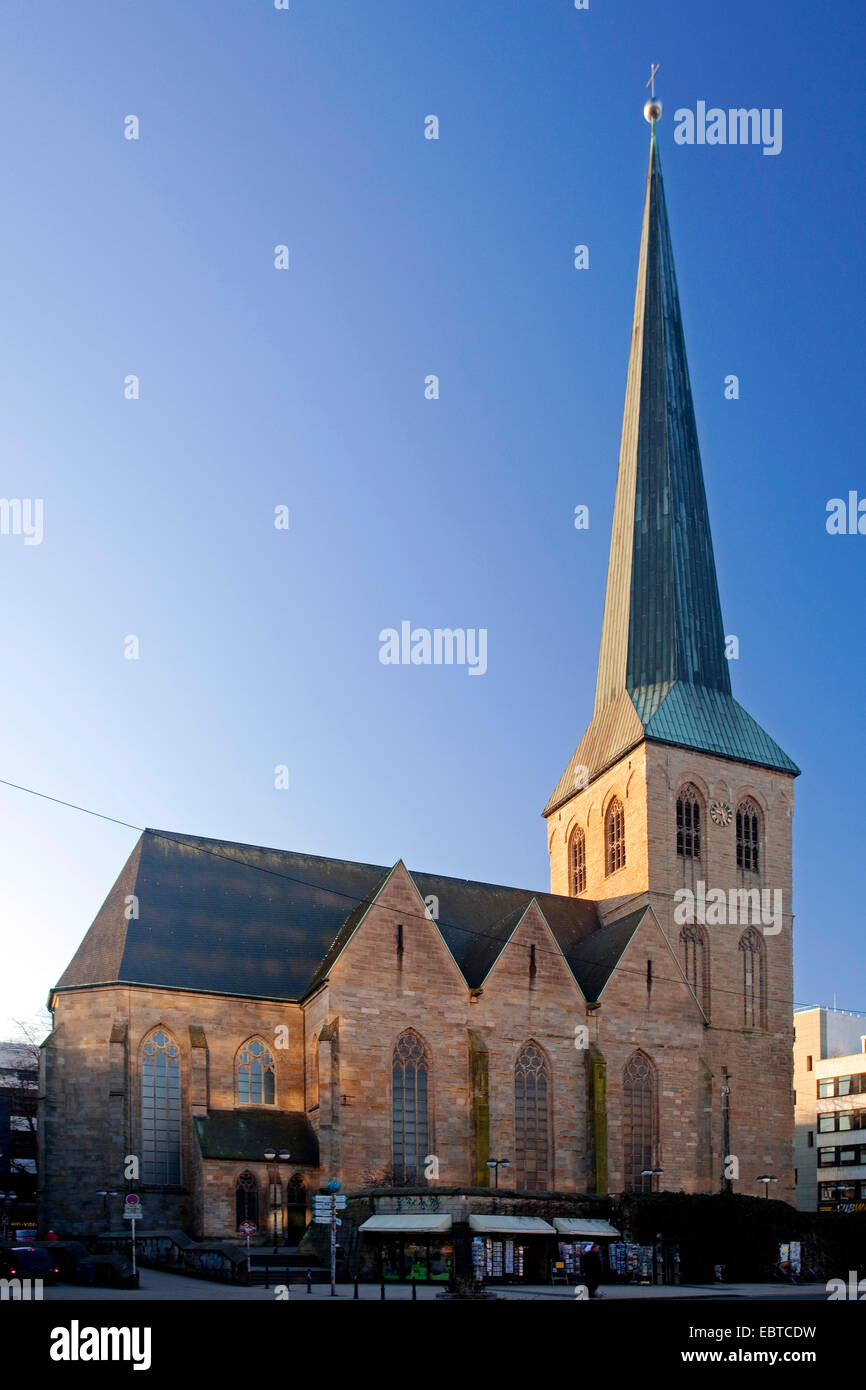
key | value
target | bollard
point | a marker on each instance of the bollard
(309, 1282)
(382, 1290)
(355, 1294)
(414, 1291)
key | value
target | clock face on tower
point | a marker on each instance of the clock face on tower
(721, 813)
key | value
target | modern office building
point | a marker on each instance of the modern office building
(830, 1110)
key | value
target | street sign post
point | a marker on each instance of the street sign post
(248, 1228)
(132, 1212)
(325, 1208)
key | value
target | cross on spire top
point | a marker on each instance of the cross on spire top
(654, 67)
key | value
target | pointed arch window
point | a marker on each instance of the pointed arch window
(695, 956)
(748, 831)
(532, 1119)
(614, 836)
(246, 1199)
(160, 1110)
(577, 861)
(689, 823)
(639, 1121)
(255, 1073)
(754, 978)
(410, 1076)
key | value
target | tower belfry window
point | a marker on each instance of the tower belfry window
(747, 836)
(615, 836)
(577, 861)
(688, 824)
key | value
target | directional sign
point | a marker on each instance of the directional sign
(326, 1221)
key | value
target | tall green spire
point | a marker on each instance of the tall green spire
(662, 669)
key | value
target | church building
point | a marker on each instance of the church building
(628, 1031)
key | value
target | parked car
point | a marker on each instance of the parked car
(28, 1262)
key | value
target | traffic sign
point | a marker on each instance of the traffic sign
(133, 1214)
(132, 1199)
(248, 1228)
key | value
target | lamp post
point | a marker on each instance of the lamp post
(271, 1156)
(496, 1164)
(106, 1194)
(652, 1173)
(766, 1179)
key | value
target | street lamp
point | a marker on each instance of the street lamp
(496, 1164)
(106, 1194)
(652, 1173)
(766, 1179)
(272, 1157)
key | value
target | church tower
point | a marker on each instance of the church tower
(675, 796)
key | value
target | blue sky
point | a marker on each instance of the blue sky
(305, 388)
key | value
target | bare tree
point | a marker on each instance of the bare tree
(19, 1074)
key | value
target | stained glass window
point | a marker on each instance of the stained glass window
(246, 1199)
(255, 1074)
(411, 1128)
(160, 1110)
(532, 1120)
(639, 1120)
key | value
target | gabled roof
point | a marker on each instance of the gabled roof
(597, 955)
(662, 669)
(219, 917)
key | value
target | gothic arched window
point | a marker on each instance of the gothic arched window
(639, 1121)
(689, 823)
(696, 963)
(754, 979)
(246, 1199)
(160, 1110)
(748, 827)
(532, 1120)
(577, 861)
(614, 836)
(410, 1073)
(255, 1071)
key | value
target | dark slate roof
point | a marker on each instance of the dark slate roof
(596, 956)
(245, 1134)
(223, 918)
(662, 671)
